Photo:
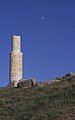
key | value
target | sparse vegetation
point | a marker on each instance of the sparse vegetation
(51, 102)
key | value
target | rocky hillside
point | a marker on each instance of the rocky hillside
(55, 101)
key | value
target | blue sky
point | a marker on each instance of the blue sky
(48, 44)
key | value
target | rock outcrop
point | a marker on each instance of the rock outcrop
(70, 74)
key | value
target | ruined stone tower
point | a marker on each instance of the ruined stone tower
(16, 58)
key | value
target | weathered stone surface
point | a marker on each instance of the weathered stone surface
(27, 83)
(16, 58)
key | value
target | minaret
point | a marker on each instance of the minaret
(16, 58)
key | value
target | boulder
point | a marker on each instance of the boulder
(27, 83)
